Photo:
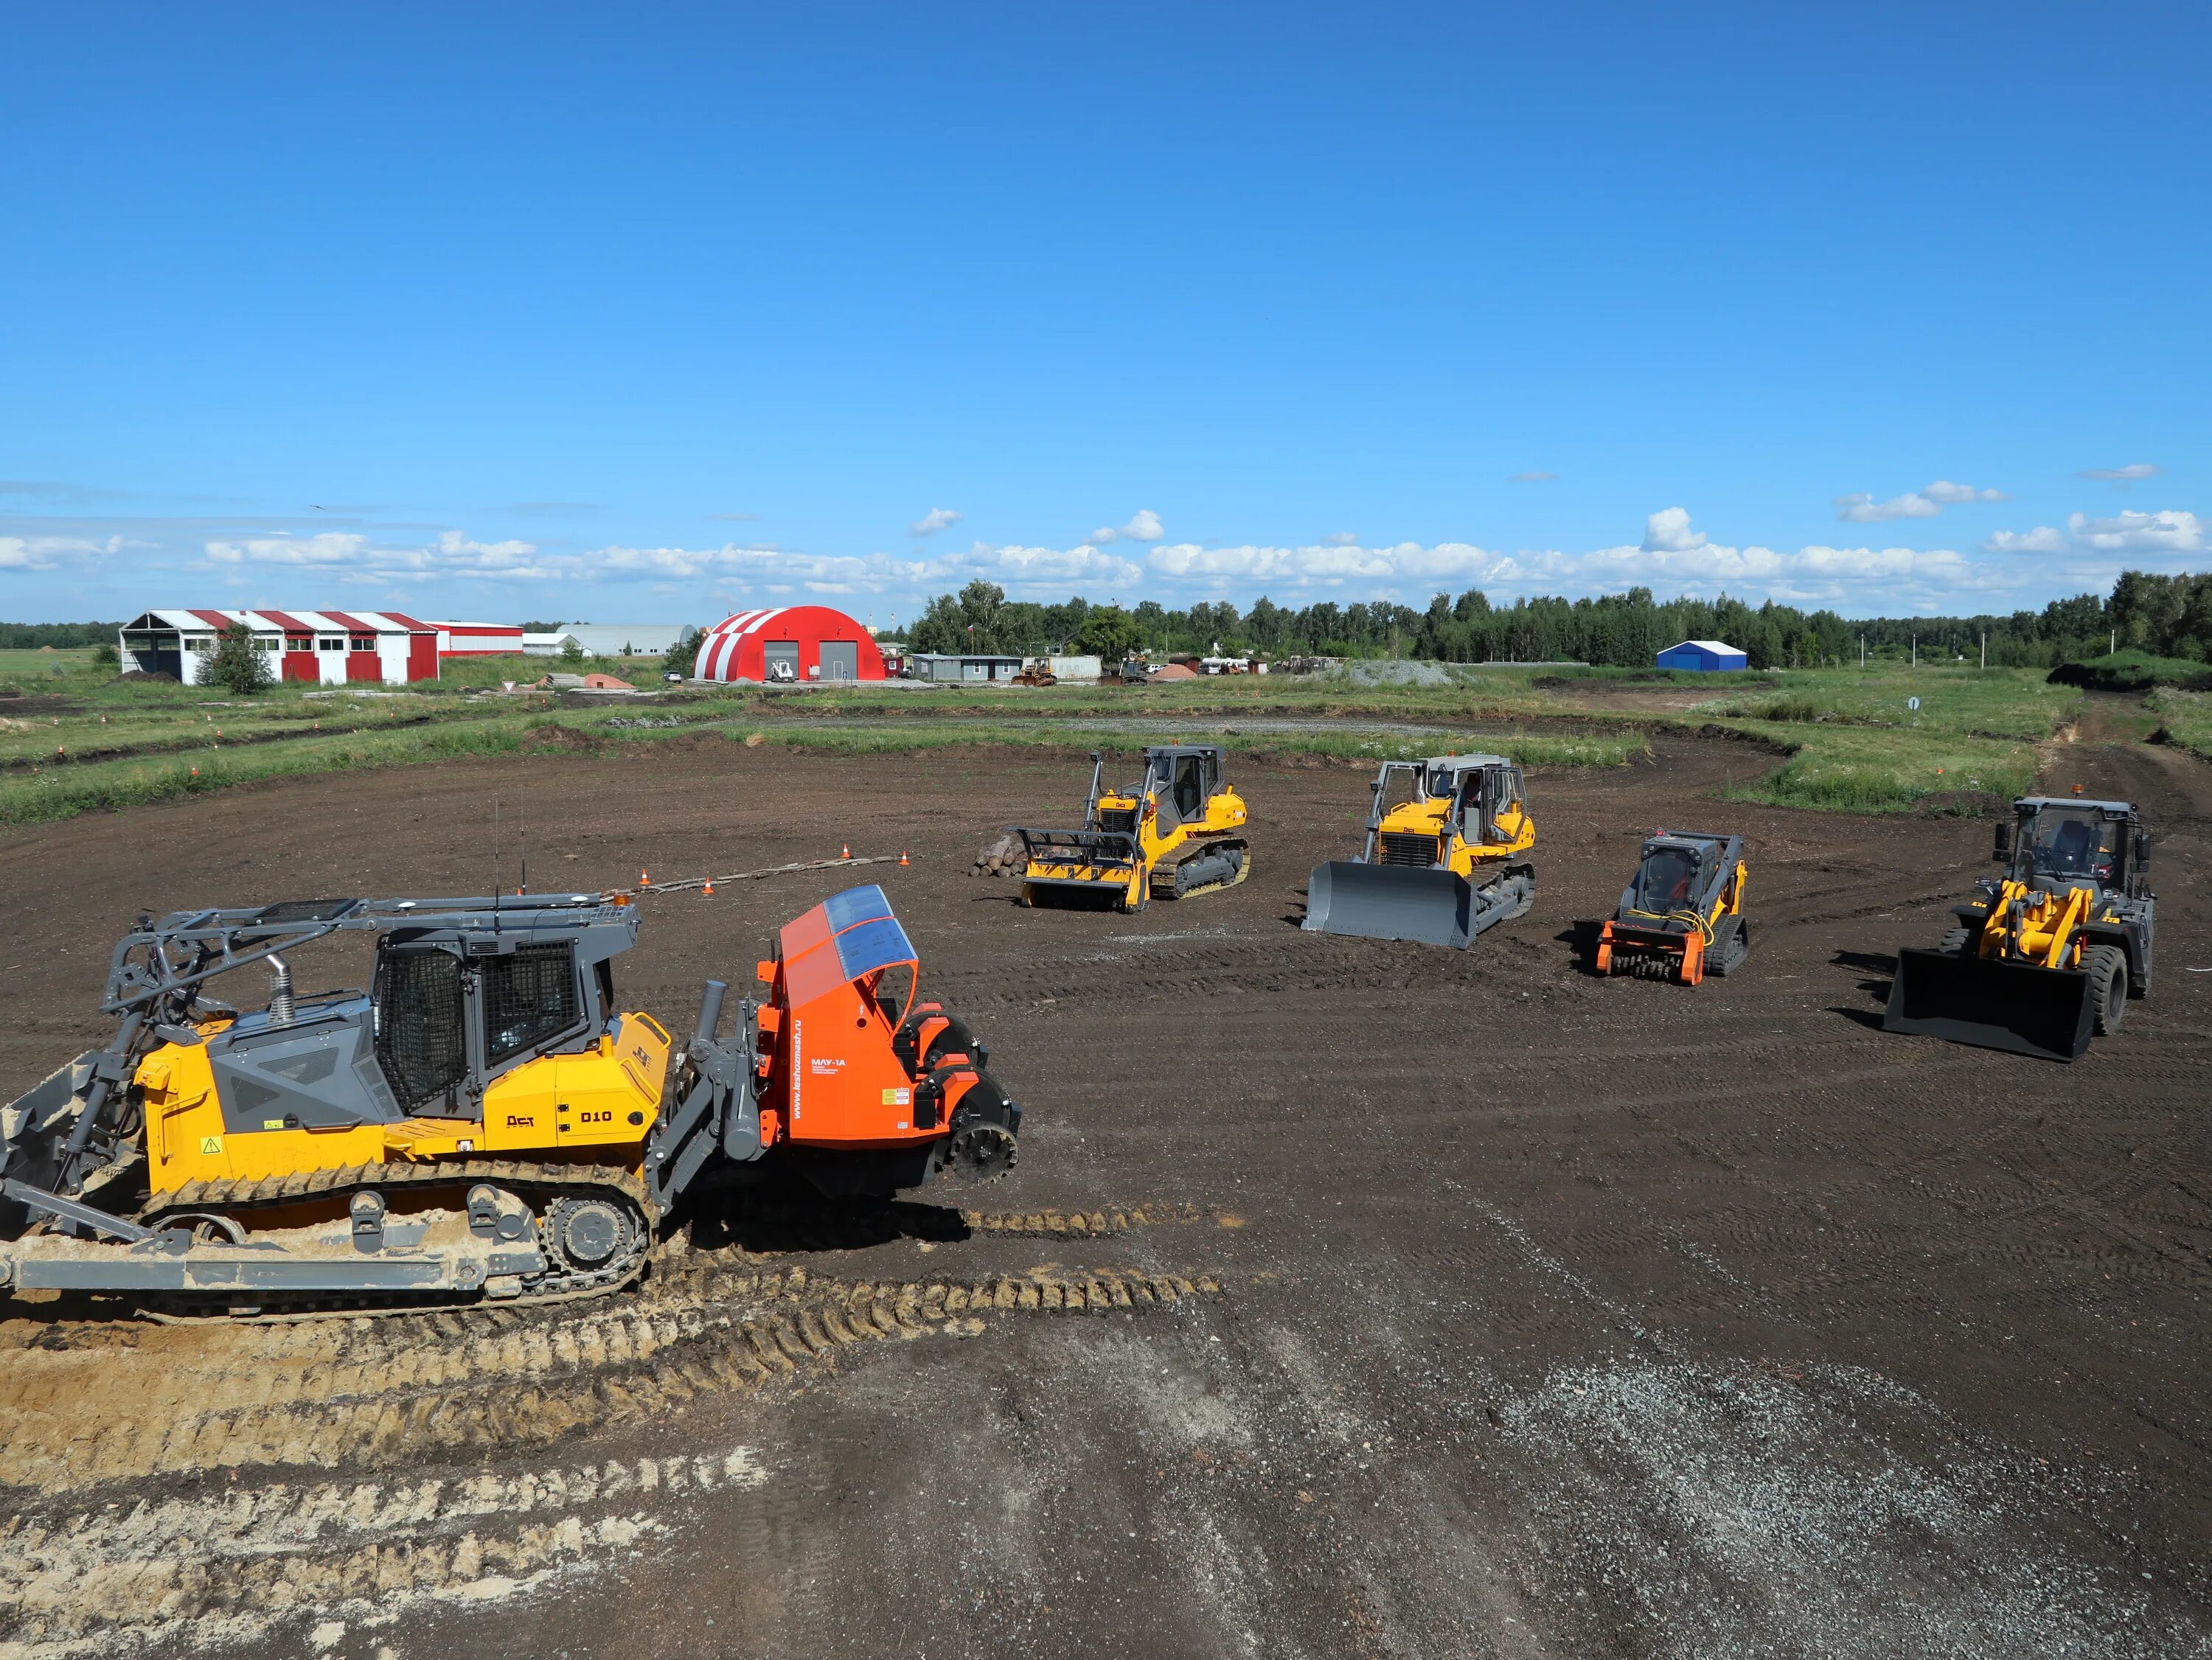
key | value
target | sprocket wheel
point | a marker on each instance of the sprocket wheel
(586, 1234)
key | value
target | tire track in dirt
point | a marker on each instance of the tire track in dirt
(225, 1566)
(329, 1394)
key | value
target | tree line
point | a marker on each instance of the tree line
(2167, 615)
(30, 636)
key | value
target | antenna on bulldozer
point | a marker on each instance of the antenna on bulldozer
(494, 865)
(522, 835)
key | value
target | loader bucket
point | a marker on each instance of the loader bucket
(1389, 902)
(1992, 1003)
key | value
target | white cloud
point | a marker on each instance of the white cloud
(1085, 562)
(1532, 478)
(2043, 539)
(1925, 503)
(2170, 531)
(351, 553)
(936, 519)
(2134, 473)
(1667, 531)
(2167, 532)
(1950, 495)
(48, 553)
(1684, 560)
(1144, 527)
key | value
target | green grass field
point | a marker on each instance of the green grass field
(1847, 739)
(2185, 718)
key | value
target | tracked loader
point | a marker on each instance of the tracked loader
(1682, 917)
(1441, 861)
(1172, 835)
(484, 1125)
(2050, 952)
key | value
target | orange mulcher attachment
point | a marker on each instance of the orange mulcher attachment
(865, 1088)
(1682, 917)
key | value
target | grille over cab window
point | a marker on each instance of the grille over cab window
(529, 998)
(420, 1039)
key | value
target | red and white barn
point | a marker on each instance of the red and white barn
(332, 648)
(479, 640)
(789, 643)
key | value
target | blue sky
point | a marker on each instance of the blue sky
(643, 314)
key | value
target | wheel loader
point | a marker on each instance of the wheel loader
(1168, 836)
(484, 1125)
(2048, 953)
(1681, 917)
(1441, 861)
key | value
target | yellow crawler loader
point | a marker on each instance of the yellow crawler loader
(1442, 861)
(1169, 836)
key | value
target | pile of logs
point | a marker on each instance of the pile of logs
(1003, 858)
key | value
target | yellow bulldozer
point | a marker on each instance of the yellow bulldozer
(1443, 858)
(1171, 835)
(484, 1124)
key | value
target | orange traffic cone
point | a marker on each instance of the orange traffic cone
(847, 853)
(902, 858)
(709, 892)
(196, 772)
(645, 879)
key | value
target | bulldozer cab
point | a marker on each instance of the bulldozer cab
(455, 1009)
(1181, 781)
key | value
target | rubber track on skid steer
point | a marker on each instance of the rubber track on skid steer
(268, 1192)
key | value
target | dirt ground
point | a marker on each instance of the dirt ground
(1350, 1299)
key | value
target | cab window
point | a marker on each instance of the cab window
(2075, 843)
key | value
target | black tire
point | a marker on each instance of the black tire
(2108, 986)
(1730, 947)
(1953, 941)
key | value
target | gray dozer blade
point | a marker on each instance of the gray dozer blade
(1992, 1002)
(1390, 902)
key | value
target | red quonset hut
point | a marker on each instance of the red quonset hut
(788, 644)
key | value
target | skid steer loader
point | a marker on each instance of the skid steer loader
(1682, 917)
(1440, 864)
(483, 1125)
(1169, 836)
(2048, 953)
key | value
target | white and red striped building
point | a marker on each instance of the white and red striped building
(332, 648)
(798, 644)
(479, 640)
